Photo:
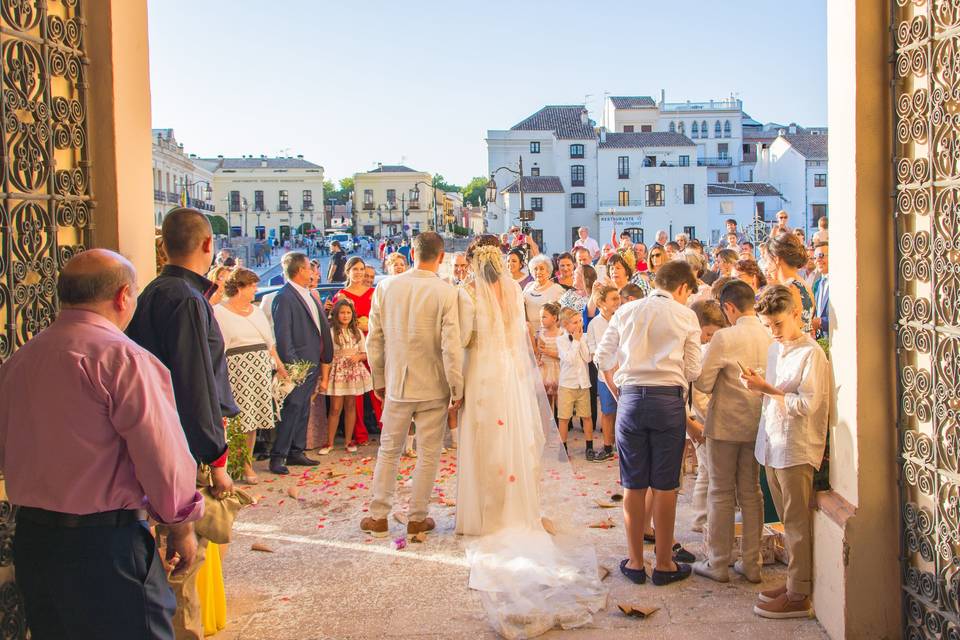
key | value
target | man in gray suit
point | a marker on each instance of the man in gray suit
(415, 355)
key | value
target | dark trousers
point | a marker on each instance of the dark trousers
(594, 381)
(291, 436)
(96, 583)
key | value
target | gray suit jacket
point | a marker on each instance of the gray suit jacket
(734, 412)
(413, 344)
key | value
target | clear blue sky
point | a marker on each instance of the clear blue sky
(351, 84)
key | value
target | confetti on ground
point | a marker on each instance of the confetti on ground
(637, 611)
(602, 524)
(256, 546)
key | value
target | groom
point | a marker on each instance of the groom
(415, 356)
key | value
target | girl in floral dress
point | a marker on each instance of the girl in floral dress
(547, 355)
(348, 377)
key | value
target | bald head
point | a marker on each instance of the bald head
(94, 276)
(184, 232)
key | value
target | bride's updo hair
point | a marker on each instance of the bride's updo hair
(485, 240)
(488, 263)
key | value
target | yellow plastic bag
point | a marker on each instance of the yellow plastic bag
(213, 599)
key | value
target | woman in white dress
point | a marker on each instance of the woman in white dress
(251, 358)
(529, 563)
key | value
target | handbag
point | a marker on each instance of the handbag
(216, 524)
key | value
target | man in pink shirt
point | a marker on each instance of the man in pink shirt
(90, 446)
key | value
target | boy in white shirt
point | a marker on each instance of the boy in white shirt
(574, 389)
(608, 301)
(797, 406)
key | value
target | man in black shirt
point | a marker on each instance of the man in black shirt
(338, 262)
(175, 322)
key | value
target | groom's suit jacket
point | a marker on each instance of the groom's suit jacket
(413, 344)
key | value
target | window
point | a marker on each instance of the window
(723, 150)
(576, 151)
(234, 200)
(704, 131)
(650, 161)
(818, 211)
(623, 167)
(392, 197)
(654, 195)
(623, 198)
(691, 232)
(578, 200)
(761, 213)
(536, 204)
(695, 130)
(258, 201)
(680, 128)
(646, 128)
(307, 200)
(534, 171)
(688, 191)
(726, 207)
(820, 180)
(636, 234)
(368, 199)
(716, 129)
(673, 127)
(284, 200)
(723, 176)
(726, 129)
(749, 175)
(534, 147)
(577, 175)
(747, 150)
(628, 128)
(684, 161)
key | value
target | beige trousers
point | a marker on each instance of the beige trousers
(734, 479)
(699, 499)
(430, 418)
(791, 489)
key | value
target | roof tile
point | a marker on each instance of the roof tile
(632, 102)
(563, 120)
(645, 139)
(810, 146)
(536, 184)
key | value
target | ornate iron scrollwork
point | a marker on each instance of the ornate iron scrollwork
(44, 191)
(926, 125)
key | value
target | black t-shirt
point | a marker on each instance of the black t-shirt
(338, 263)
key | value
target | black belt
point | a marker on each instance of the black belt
(55, 519)
(235, 351)
(676, 392)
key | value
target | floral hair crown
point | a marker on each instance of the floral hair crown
(488, 255)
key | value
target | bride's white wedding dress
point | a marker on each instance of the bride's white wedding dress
(528, 561)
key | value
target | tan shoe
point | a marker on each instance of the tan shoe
(378, 528)
(783, 608)
(771, 594)
(424, 526)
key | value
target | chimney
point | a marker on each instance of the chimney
(263, 163)
(220, 157)
(380, 166)
(584, 116)
(603, 135)
(781, 132)
(300, 157)
(663, 96)
(793, 128)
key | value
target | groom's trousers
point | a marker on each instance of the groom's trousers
(430, 418)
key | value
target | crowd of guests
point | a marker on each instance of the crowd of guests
(681, 343)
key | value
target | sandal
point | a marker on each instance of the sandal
(251, 480)
(325, 450)
(351, 448)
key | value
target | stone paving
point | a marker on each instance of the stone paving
(325, 579)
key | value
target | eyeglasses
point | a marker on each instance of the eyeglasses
(819, 256)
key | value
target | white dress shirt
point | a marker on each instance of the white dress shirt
(598, 325)
(574, 356)
(656, 341)
(309, 301)
(590, 245)
(793, 429)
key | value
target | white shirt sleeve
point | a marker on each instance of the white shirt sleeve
(606, 353)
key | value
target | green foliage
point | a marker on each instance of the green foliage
(346, 184)
(476, 191)
(439, 182)
(461, 231)
(239, 455)
(825, 345)
(219, 225)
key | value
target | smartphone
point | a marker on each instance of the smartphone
(743, 369)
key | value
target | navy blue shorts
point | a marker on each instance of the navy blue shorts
(651, 435)
(608, 404)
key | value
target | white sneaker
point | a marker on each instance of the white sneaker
(751, 576)
(703, 568)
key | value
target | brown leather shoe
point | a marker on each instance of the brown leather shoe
(771, 594)
(424, 526)
(376, 528)
(783, 608)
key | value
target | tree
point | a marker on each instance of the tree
(329, 190)
(346, 184)
(218, 225)
(476, 191)
(340, 195)
(439, 182)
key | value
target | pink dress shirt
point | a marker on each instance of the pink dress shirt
(88, 423)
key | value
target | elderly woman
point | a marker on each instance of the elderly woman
(541, 291)
(394, 264)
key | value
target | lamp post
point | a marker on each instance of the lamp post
(416, 190)
(492, 189)
(380, 209)
(189, 184)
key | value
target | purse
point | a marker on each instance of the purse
(216, 524)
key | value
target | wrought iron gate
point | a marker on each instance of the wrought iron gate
(926, 94)
(45, 207)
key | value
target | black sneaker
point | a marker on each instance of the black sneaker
(602, 456)
(636, 576)
(682, 555)
(591, 455)
(661, 578)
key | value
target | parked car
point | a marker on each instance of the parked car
(345, 240)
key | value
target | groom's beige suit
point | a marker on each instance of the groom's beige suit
(414, 350)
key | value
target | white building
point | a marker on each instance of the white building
(267, 197)
(796, 164)
(650, 181)
(174, 172)
(557, 142)
(751, 204)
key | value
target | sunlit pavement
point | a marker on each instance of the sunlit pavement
(323, 578)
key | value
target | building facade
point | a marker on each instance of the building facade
(267, 198)
(796, 164)
(178, 179)
(394, 199)
(751, 204)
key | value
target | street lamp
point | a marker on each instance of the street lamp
(525, 216)
(416, 190)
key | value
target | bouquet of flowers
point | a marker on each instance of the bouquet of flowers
(297, 373)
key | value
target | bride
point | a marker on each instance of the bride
(515, 483)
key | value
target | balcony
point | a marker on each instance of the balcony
(172, 197)
(715, 162)
(623, 175)
(307, 205)
(413, 204)
(158, 195)
(577, 183)
(283, 206)
(369, 206)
